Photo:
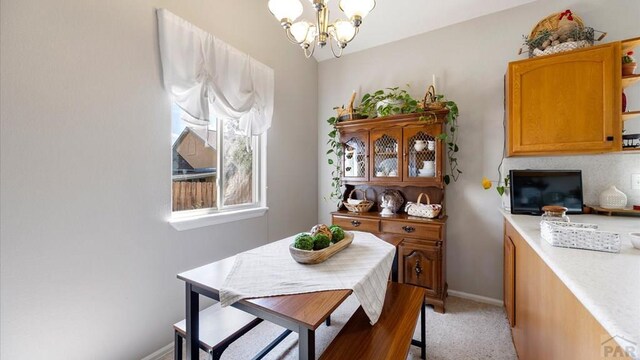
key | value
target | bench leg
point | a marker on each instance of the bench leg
(328, 320)
(423, 325)
(306, 344)
(177, 346)
(422, 343)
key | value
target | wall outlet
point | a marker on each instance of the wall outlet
(635, 181)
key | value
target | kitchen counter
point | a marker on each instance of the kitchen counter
(607, 284)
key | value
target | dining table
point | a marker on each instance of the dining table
(302, 313)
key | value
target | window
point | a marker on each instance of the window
(215, 168)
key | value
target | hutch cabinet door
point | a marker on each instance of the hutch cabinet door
(422, 154)
(565, 103)
(386, 147)
(355, 160)
(420, 264)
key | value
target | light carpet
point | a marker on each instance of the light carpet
(469, 330)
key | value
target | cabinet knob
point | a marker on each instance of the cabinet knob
(418, 268)
(609, 138)
(409, 229)
(355, 223)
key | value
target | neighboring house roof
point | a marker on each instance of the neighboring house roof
(195, 150)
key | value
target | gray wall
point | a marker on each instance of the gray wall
(88, 259)
(470, 60)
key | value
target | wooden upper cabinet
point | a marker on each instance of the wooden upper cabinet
(567, 103)
(398, 150)
(355, 158)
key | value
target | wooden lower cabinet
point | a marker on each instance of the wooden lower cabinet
(548, 321)
(420, 248)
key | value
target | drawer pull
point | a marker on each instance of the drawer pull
(418, 268)
(355, 223)
(409, 229)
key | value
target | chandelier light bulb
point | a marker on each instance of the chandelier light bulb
(300, 30)
(344, 31)
(285, 11)
(356, 10)
(311, 35)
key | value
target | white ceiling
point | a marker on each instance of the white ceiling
(393, 20)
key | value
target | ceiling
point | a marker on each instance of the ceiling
(393, 20)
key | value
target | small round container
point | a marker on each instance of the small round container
(555, 213)
(635, 239)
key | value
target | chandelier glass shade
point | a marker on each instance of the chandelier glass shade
(306, 34)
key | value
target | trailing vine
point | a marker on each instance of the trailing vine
(334, 156)
(450, 138)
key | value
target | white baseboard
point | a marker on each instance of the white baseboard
(478, 298)
(160, 353)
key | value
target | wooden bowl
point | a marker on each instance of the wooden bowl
(318, 256)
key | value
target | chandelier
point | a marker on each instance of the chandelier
(308, 35)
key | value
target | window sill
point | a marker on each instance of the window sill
(194, 222)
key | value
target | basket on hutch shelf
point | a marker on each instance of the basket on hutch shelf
(358, 206)
(427, 210)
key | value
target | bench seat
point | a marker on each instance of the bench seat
(391, 336)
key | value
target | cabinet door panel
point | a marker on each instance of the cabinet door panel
(566, 103)
(509, 280)
(386, 162)
(421, 266)
(355, 159)
(422, 155)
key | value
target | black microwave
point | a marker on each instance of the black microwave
(533, 189)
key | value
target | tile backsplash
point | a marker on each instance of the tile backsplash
(598, 171)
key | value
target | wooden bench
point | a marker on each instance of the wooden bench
(219, 327)
(391, 336)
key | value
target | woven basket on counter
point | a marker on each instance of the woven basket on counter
(579, 236)
(364, 206)
(427, 210)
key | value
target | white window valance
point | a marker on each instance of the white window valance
(205, 76)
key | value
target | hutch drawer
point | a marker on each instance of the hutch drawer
(356, 223)
(424, 231)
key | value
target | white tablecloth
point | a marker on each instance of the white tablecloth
(270, 270)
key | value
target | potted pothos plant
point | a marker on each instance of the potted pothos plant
(390, 101)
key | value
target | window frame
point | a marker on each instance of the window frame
(191, 219)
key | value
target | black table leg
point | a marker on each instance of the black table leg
(192, 314)
(306, 344)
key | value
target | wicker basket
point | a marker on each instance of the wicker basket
(579, 236)
(427, 210)
(551, 23)
(430, 101)
(364, 206)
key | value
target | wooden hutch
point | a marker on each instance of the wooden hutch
(381, 154)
